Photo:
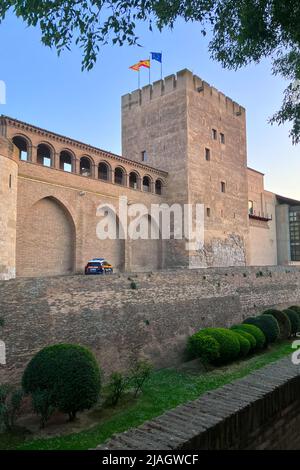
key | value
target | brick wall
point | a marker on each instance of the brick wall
(119, 323)
(260, 411)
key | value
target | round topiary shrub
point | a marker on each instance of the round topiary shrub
(245, 345)
(268, 325)
(294, 319)
(246, 335)
(296, 309)
(229, 344)
(283, 322)
(204, 347)
(68, 374)
(254, 331)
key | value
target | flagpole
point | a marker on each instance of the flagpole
(139, 81)
(161, 69)
(149, 70)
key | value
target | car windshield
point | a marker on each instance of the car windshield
(95, 265)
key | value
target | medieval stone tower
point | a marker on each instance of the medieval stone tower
(8, 209)
(197, 134)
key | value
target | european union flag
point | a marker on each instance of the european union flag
(156, 56)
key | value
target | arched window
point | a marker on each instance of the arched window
(146, 184)
(103, 171)
(66, 161)
(119, 176)
(158, 187)
(133, 180)
(85, 166)
(22, 145)
(44, 155)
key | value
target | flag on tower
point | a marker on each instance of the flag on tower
(135, 67)
(156, 56)
(145, 63)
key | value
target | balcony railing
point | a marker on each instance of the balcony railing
(260, 216)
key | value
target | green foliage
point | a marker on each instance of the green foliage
(254, 331)
(140, 373)
(133, 285)
(283, 322)
(268, 325)
(68, 373)
(243, 31)
(228, 342)
(296, 309)
(245, 345)
(294, 319)
(43, 404)
(118, 384)
(10, 405)
(166, 389)
(248, 336)
(203, 346)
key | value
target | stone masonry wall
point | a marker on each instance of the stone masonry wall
(119, 323)
(260, 411)
(8, 211)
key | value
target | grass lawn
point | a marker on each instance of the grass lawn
(166, 389)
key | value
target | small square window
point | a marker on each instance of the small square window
(208, 211)
(223, 186)
(144, 156)
(207, 155)
(222, 138)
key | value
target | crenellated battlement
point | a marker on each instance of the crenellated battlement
(183, 80)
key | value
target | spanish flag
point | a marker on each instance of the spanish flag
(145, 63)
(141, 63)
(135, 67)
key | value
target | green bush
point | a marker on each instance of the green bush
(254, 331)
(68, 375)
(283, 322)
(133, 285)
(296, 309)
(246, 335)
(139, 374)
(10, 405)
(268, 325)
(203, 346)
(228, 342)
(43, 405)
(294, 319)
(118, 384)
(245, 345)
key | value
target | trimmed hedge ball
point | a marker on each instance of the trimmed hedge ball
(283, 322)
(204, 347)
(256, 332)
(246, 335)
(296, 309)
(229, 344)
(268, 325)
(70, 373)
(245, 345)
(294, 319)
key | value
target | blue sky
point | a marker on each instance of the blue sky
(53, 93)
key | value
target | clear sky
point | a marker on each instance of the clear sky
(52, 92)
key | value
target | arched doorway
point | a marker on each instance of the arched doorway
(46, 242)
